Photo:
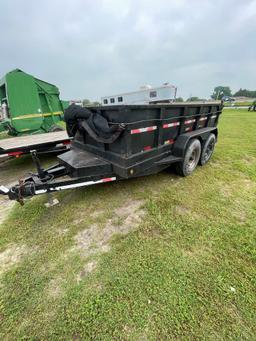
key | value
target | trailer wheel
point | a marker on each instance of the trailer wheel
(207, 149)
(191, 158)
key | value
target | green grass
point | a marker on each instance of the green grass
(186, 273)
(238, 104)
(3, 135)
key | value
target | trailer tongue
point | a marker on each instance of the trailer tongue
(121, 142)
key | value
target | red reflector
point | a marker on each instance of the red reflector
(171, 141)
(107, 179)
(135, 131)
(67, 142)
(147, 148)
(17, 154)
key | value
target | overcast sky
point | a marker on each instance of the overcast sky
(101, 47)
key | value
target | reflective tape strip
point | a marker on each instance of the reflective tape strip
(171, 141)
(4, 155)
(143, 130)
(203, 119)
(22, 117)
(189, 121)
(81, 184)
(188, 129)
(108, 179)
(169, 125)
(147, 148)
(67, 142)
(62, 144)
(17, 154)
(4, 189)
(214, 116)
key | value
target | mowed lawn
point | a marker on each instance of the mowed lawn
(154, 258)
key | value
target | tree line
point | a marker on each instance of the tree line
(218, 93)
(222, 91)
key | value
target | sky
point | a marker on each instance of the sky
(97, 48)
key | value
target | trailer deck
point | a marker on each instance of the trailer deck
(42, 143)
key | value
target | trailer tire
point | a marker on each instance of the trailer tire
(207, 150)
(191, 158)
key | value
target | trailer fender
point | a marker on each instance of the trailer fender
(181, 143)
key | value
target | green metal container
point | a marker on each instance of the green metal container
(33, 105)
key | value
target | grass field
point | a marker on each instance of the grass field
(182, 266)
(238, 104)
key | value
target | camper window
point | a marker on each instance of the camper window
(105, 101)
(112, 100)
(120, 99)
(152, 94)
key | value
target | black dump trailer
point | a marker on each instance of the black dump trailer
(122, 142)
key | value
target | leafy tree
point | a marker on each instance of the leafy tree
(195, 99)
(220, 91)
(86, 102)
(96, 103)
(179, 99)
(245, 93)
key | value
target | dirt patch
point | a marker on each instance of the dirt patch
(249, 160)
(96, 239)
(54, 288)
(96, 214)
(234, 188)
(197, 251)
(62, 231)
(11, 256)
(88, 268)
(6, 206)
(182, 210)
(226, 191)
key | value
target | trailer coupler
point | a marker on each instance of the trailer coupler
(21, 191)
(44, 182)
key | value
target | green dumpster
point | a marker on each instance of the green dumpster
(28, 104)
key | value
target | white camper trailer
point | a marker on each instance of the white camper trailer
(145, 95)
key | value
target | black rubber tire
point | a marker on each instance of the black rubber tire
(55, 127)
(207, 150)
(192, 155)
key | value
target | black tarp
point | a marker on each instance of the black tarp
(91, 121)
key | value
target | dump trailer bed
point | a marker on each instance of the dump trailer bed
(121, 142)
(42, 143)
